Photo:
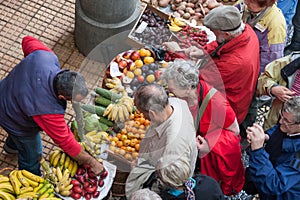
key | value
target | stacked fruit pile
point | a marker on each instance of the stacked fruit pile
(127, 142)
(22, 184)
(138, 67)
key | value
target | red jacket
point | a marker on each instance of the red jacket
(224, 162)
(236, 71)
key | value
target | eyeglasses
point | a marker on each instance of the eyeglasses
(285, 120)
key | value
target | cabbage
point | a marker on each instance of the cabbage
(91, 123)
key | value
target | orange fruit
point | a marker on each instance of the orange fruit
(131, 116)
(118, 135)
(123, 131)
(126, 142)
(135, 155)
(147, 122)
(133, 142)
(150, 78)
(113, 143)
(115, 139)
(119, 144)
(112, 148)
(128, 156)
(137, 147)
(122, 152)
(148, 60)
(123, 137)
(138, 63)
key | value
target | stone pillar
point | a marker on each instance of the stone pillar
(97, 20)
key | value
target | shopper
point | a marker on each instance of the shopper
(175, 177)
(279, 81)
(274, 169)
(268, 22)
(171, 134)
(236, 56)
(33, 98)
(295, 43)
(215, 121)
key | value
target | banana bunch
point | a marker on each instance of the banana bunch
(6, 190)
(176, 24)
(115, 85)
(63, 186)
(96, 139)
(27, 185)
(119, 111)
(88, 148)
(58, 158)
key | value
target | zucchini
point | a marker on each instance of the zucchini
(99, 110)
(103, 127)
(102, 101)
(104, 120)
(108, 94)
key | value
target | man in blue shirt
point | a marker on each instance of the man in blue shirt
(275, 167)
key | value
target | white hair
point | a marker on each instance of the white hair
(145, 194)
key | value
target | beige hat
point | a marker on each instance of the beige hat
(224, 18)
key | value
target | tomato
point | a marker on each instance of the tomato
(75, 195)
(96, 194)
(104, 174)
(75, 182)
(101, 183)
(77, 189)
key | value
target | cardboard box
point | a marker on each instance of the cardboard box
(149, 32)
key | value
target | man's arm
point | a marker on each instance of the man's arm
(57, 129)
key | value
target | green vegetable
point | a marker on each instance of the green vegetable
(91, 123)
(103, 127)
(102, 101)
(108, 94)
(99, 110)
(104, 120)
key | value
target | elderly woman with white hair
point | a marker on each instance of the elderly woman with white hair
(175, 177)
(215, 123)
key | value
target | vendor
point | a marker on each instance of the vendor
(33, 98)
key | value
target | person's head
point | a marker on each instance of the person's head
(174, 173)
(225, 22)
(256, 6)
(290, 115)
(151, 100)
(181, 76)
(70, 85)
(145, 194)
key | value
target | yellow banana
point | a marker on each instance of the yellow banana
(6, 196)
(15, 182)
(91, 133)
(62, 159)
(179, 22)
(4, 179)
(38, 187)
(31, 182)
(56, 159)
(67, 162)
(58, 174)
(53, 154)
(121, 113)
(45, 187)
(68, 187)
(70, 166)
(108, 109)
(63, 185)
(50, 198)
(174, 28)
(28, 195)
(7, 187)
(32, 176)
(47, 194)
(22, 179)
(110, 85)
(129, 106)
(114, 111)
(125, 112)
(74, 168)
(65, 193)
(66, 175)
(26, 189)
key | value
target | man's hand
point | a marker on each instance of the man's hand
(194, 52)
(202, 146)
(255, 136)
(282, 93)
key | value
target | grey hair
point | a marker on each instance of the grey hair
(293, 106)
(238, 31)
(174, 173)
(145, 194)
(184, 74)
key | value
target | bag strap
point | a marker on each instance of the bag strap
(203, 106)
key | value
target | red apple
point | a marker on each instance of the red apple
(122, 64)
(157, 74)
(140, 78)
(126, 55)
(135, 56)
